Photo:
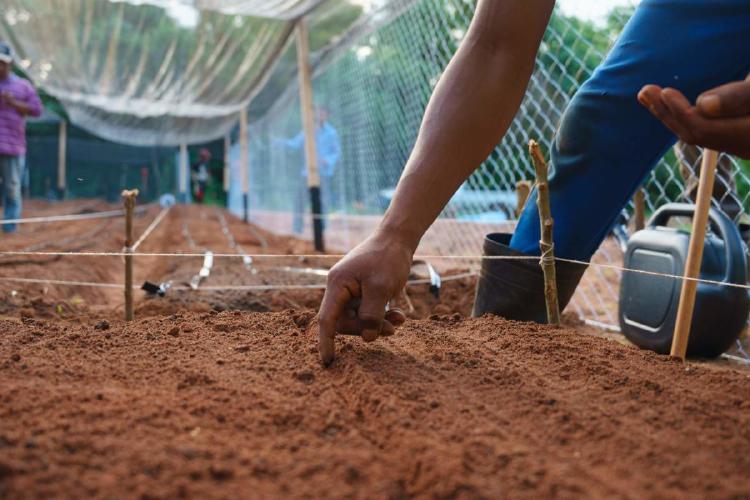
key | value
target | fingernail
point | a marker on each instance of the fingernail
(710, 104)
(644, 100)
(370, 335)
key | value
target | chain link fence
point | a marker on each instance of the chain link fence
(375, 89)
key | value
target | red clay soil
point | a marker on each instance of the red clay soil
(201, 398)
(235, 404)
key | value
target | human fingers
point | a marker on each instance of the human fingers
(727, 101)
(371, 312)
(337, 295)
(650, 98)
(691, 126)
(395, 316)
(680, 116)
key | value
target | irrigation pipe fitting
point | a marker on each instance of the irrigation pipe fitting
(205, 272)
(435, 281)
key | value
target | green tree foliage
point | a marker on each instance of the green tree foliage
(403, 61)
(325, 26)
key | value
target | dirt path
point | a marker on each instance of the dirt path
(219, 405)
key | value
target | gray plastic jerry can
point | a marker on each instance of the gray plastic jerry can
(648, 303)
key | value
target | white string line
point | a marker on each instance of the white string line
(419, 257)
(150, 228)
(69, 217)
(616, 329)
(62, 282)
(653, 273)
(454, 277)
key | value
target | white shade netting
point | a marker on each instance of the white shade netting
(161, 72)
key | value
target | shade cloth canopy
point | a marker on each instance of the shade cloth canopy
(165, 72)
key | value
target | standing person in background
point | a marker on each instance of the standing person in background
(201, 175)
(328, 148)
(145, 188)
(18, 99)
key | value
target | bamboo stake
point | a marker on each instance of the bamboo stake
(523, 190)
(245, 165)
(639, 200)
(308, 122)
(695, 254)
(183, 174)
(546, 243)
(128, 198)
(227, 164)
(62, 147)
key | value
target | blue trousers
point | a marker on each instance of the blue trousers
(607, 143)
(11, 169)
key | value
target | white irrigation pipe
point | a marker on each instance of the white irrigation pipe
(205, 272)
(601, 325)
(64, 218)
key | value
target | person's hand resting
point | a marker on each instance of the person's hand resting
(359, 289)
(8, 98)
(720, 118)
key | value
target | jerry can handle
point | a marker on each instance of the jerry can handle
(720, 224)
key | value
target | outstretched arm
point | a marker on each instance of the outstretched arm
(470, 110)
(295, 142)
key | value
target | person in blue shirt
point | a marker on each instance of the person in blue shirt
(328, 149)
(678, 70)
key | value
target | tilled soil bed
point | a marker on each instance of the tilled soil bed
(186, 229)
(236, 405)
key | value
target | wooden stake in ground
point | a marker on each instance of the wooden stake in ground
(308, 122)
(695, 255)
(546, 244)
(227, 165)
(245, 165)
(128, 198)
(183, 174)
(62, 148)
(639, 200)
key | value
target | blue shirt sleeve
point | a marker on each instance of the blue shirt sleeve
(330, 150)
